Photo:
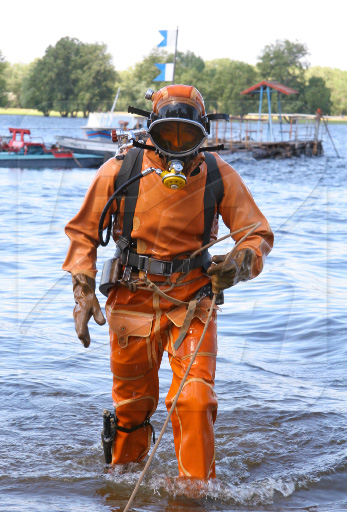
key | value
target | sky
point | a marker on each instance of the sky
(237, 30)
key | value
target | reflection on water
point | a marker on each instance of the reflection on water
(281, 374)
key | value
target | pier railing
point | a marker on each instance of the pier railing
(286, 133)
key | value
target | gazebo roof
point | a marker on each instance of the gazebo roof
(272, 85)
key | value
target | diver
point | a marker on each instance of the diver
(159, 293)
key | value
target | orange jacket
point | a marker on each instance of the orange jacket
(166, 222)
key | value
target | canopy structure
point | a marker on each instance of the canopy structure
(270, 88)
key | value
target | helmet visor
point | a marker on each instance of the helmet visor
(177, 137)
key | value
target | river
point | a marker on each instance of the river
(281, 430)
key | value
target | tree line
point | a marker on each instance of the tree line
(73, 76)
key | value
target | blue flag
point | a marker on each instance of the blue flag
(166, 72)
(169, 38)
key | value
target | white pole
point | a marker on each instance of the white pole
(115, 101)
(174, 69)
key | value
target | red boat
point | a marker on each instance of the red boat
(26, 152)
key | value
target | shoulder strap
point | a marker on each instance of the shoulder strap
(131, 166)
(214, 192)
(125, 170)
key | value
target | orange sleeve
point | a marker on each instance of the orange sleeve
(238, 209)
(83, 228)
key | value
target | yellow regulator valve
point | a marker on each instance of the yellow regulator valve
(174, 178)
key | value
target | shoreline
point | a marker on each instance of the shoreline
(32, 112)
(36, 113)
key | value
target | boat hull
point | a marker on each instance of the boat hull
(87, 146)
(48, 161)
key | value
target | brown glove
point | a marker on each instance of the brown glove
(87, 305)
(225, 274)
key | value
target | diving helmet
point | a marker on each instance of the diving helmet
(178, 123)
(178, 127)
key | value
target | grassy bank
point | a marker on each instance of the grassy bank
(33, 112)
(30, 112)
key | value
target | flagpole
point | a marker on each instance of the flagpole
(173, 77)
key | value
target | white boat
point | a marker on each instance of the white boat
(106, 147)
(99, 125)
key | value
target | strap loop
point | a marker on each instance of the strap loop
(146, 423)
(162, 267)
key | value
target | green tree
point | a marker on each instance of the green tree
(336, 81)
(15, 74)
(63, 60)
(220, 81)
(286, 62)
(189, 69)
(52, 82)
(96, 78)
(71, 76)
(318, 95)
(36, 91)
(3, 85)
(226, 80)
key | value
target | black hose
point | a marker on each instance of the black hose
(107, 207)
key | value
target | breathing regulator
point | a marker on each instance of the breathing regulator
(174, 178)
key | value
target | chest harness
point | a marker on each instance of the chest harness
(213, 195)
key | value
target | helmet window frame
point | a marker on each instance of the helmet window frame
(164, 150)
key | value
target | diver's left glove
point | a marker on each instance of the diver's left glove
(225, 274)
(87, 305)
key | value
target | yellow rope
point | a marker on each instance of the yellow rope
(251, 228)
(173, 405)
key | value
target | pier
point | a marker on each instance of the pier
(300, 135)
(270, 135)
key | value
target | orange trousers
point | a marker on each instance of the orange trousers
(143, 325)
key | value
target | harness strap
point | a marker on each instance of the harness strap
(186, 323)
(205, 291)
(131, 166)
(162, 267)
(214, 192)
(213, 196)
(146, 423)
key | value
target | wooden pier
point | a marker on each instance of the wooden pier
(285, 149)
(298, 135)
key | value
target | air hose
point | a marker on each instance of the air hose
(110, 201)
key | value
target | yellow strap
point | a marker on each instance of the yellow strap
(186, 323)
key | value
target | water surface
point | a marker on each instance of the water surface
(281, 431)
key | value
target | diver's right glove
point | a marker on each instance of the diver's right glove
(87, 305)
(225, 274)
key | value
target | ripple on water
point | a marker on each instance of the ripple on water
(281, 374)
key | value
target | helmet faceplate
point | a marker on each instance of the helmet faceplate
(178, 125)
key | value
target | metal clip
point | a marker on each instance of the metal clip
(126, 274)
(185, 266)
(143, 262)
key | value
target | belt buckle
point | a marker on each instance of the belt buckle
(168, 268)
(155, 267)
(159, 268)
(143, 263)
(185, 266)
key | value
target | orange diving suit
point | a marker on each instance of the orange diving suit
(167, 225)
